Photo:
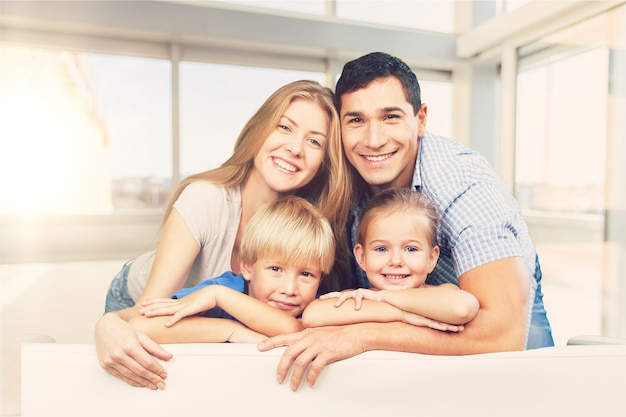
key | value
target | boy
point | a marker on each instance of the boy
(286, 248)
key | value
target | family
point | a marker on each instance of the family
(339, 225)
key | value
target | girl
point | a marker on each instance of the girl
(397, 248)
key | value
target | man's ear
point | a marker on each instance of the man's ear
(421, 120)
(359, 255)
(246, 270)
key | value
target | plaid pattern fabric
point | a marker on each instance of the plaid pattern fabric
(480, 221)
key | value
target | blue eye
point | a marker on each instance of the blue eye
(380, 249)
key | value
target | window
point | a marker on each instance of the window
(561, 134)
(216, 101)
(436, 16)
(82, 133)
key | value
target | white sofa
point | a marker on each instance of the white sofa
(228, 379)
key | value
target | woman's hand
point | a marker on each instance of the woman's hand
(129, 355)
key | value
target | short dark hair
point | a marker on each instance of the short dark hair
(360, 72)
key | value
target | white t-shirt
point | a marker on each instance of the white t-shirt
(212, 214)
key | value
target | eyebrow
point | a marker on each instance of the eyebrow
(384, 110)
(315, 132)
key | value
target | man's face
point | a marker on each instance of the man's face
(379, 133)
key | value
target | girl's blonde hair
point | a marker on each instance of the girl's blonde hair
(393, 200)
(330, 190)
(289, 230)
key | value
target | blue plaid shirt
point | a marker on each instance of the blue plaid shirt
(480, 221)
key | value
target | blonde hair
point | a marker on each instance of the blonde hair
(395, 200)
(290, 230)
(330, 190)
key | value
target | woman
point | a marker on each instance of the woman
(292, 145)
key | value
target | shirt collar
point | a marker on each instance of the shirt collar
(417, 173)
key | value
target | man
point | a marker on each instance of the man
(485, 245)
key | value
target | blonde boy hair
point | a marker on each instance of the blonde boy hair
(290, 230)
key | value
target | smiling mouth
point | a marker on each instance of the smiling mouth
(378, 158)
(284, 165)
(395, 277)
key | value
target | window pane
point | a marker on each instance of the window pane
(317, 7)
(561, 134)
(434, 15)
(216, 101)
(438, 96)
(81, 133)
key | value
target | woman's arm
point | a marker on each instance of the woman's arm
(121, 350)
(195, 330)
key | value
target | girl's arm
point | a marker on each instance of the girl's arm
(325, 312)
(195, 330)
(446, 302)
(443, 307)
(253, 313)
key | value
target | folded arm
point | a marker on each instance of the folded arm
(255, 314)
(501, 288)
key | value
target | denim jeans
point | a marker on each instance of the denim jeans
(539, 333)
(118, 297)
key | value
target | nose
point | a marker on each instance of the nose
(374, 136)
(294, 145)
(290, 285)
(395, 258)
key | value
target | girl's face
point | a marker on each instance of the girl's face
(395, 253)
(294, 152)
(289, 288)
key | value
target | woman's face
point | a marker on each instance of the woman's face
(294, 151)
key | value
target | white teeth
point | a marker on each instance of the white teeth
(377, 158)
(389, 276)
(284, 165)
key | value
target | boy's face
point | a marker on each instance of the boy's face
(379, 131)
(395, 253)
(289, 288)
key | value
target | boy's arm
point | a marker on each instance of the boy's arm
(253, 313)
(195, 330)
(256, 314)
(446, 302)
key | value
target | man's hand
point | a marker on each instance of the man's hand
(312, 348)
(128, 355)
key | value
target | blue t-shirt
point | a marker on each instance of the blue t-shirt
(227, 279)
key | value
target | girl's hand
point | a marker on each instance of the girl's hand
(421, 321)
(194, 303)
(358, 295)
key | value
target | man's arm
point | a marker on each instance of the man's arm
(501, 288)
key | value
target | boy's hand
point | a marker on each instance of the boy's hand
(194, 303)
